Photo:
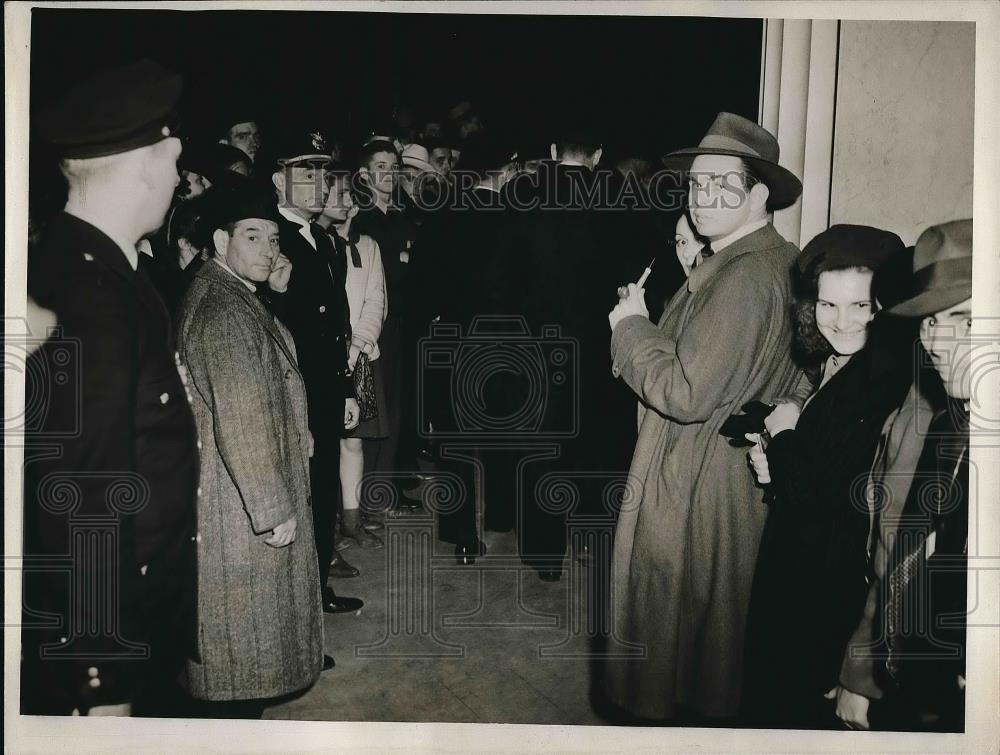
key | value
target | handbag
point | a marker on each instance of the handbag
(364, 388)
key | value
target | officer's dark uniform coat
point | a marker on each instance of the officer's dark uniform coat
(111, 471)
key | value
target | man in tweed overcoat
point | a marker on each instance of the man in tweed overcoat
(260, 631)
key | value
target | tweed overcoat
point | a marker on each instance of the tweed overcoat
(260, 630)
(686, 541)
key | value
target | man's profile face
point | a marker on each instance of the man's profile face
(381, 172)
(306, 187)
(441, 159)
(252, 248)
(159, 174)
(245, 136)
(717, 196)
(946, 337)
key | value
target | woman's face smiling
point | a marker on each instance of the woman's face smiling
(844, 307)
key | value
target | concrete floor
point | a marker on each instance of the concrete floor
(489, 643)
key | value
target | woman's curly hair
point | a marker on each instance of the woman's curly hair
(809, 347)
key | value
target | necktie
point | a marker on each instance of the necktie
(325, 246)
(336, 263)
(707, 251)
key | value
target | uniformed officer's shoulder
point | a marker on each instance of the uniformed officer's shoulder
(64, 272)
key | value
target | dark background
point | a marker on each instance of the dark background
(645, 85)
(657, 80)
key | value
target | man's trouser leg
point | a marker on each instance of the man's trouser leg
(324, 471)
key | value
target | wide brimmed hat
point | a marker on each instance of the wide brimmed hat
(942, 270)
(740, 137)
(417, 156)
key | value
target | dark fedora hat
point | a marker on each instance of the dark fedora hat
(239, 198)
(942, 270)
(740, 137)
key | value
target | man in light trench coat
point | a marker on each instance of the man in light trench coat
(685, 548)
(260, 630)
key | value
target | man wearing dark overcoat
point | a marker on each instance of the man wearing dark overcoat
(111, 463)
(314, 307)
(686, 544)
(565, 279)
(260, 629)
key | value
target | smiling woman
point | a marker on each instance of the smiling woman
(810, 580)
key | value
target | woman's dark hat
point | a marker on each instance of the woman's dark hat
(114, 111)
(942, 270)
(737, 136)
(844, 245)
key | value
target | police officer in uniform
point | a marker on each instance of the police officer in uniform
(314, 308)
(111, 463)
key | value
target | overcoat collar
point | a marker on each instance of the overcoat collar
(212, 272)
(759, 240)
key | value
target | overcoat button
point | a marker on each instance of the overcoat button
(92, 672)
(164, 398)
(95, 683)
(288, 374)
(322, 308)
(199, 445)
(88, 257)
(199, 490)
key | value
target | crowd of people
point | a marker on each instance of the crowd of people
(261, 327)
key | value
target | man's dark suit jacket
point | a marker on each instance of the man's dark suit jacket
(315, 310)
(566, 261)
(111, 474)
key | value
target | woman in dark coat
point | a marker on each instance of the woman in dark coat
(811, 575)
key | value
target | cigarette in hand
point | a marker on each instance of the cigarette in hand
(623, 290)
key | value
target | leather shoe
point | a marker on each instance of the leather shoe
(333, 603)
(328, 662)
(465, 555)
(550, 575)
(371, 524)
(340, 569)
